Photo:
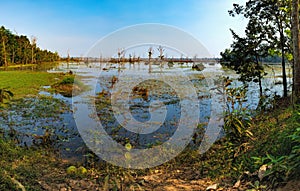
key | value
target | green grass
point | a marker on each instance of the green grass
(23, 83)
(25, 165)
(272, 133)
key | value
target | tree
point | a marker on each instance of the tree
(161, 55)
(296, 48)
(245, 57)
(150, 53)
(13, 48)
(4, 40)
(121, 54)
(161, 52)
(4, 53)
(17, 49)
(274, 18)
(25, 44)
(33, 47)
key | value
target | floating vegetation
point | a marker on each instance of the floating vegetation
(198, 67)
(69, 86)
(170, 64)
(37, 121)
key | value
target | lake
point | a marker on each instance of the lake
(145, 109)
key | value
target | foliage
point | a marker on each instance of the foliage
(237, 118)
(68, 86)
(294, 156)
(21, 167)
(15, 49)
(36, 121)
(284, 165)
(5, 94)
(245, 57)
(275, 144)
(67, 80)
(268, 27)
(273, 58)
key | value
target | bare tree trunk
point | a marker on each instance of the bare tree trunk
(284, 80)
(13, 56)
(260, 86)
(259, 78)
(4, 52)
(32, 55)
(150, 67)
(150, 52)
(33, 44)
(296, 48)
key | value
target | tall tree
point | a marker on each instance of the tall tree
(245, 56)
(4, 39)
(33, 47)
(4, 52)
(274, 18)
(17, 49)
(296, 48)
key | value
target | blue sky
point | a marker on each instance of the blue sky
(75, 25)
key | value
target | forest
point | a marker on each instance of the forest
(17, 49)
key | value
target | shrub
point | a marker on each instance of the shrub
(237, 117)
(68, 80)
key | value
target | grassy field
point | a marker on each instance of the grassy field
(24, 83)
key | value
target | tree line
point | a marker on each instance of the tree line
(18, 49)
(272, 30)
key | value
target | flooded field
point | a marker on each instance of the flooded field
(134, 103)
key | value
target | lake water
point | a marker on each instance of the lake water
(133, 105)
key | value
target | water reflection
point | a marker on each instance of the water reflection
(100, 76)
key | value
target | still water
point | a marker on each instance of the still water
(137, 95)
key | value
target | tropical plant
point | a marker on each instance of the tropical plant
(237, 118)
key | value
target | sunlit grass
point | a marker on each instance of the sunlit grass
(23, 83)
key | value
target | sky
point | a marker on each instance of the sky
(74, 26)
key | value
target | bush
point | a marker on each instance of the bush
(237, 117)
(68, 80)
(283, 161)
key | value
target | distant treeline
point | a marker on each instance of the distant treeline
(272, 59)
(15, 49)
